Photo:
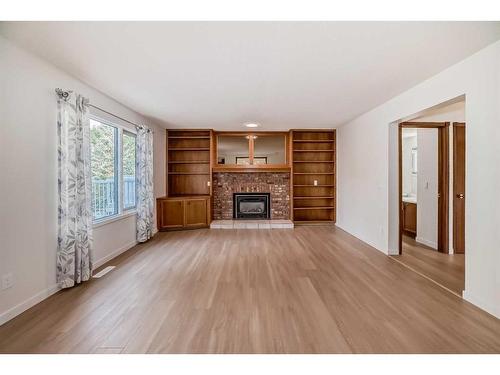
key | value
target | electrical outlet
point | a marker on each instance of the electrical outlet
(7, 281)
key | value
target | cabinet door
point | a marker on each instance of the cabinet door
(196, 213)
(410, 217)
(171, 214)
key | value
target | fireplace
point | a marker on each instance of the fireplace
(251, 205)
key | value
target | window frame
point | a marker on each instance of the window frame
(134, 135)
(122, 212)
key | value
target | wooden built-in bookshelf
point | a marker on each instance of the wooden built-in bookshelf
(313, 159)
(188, 161)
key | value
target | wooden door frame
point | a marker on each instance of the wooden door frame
(443, 180)
(456, 125)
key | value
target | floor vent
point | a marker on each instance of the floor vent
(103, 272)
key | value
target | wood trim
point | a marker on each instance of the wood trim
(255, 168)
(458, 224)
(443, 187)
(166, 163)
(251, 149)
(400, 187)
(335, 174)
(211, 163)
(290, 162)
(416, 124)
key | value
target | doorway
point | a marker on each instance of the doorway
(408, 209)
(442, 259)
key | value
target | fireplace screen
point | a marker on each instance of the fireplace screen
(251, 205)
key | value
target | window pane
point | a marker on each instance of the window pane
(103, 165)
(128, 170)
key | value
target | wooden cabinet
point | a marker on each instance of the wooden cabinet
(170, 213)
(183, 212)
(313, 176)
(188, 162)
(410, 218)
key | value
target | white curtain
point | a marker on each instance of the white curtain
(74, 248)
(144, 183)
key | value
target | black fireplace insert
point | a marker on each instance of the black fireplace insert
(251, 205)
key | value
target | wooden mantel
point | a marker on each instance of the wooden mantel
(252, 169)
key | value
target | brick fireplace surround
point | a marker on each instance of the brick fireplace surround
(227, 183)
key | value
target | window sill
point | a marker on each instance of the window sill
(114, 218)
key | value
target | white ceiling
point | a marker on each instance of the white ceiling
(280, 74)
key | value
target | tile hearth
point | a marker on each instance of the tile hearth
(251, 224)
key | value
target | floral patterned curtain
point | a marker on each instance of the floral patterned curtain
(144, 183)
(74, 245)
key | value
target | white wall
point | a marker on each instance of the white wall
(28, 182)
(409, 178)
(367, 179)
(427, 187)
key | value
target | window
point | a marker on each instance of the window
(113, 169)
(128, 170)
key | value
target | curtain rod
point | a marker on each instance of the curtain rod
(112, 114)
(65, 94)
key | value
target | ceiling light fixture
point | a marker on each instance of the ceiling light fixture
(252, 125)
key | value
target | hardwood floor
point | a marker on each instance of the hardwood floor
(306, 290)
(447, 270)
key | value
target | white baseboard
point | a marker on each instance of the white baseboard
(39, 297)
(25, 305)
(119, 251)
(114, 254)
(491, 309)
(359, 237)
(423, 241)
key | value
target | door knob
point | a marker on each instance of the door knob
(460, 196)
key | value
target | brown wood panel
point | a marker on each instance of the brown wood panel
(313, 202)
(307, 290)
(311, 135)
(175, 155)
(443, 187)
(459, 188)
(313, 167)
(314, 156)
(313, 146)
(188, 143)
(308, 179)
(189, 167)
(170, 213)
(188, 184)
(190, 133)
(410, 218)
(196, 212)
